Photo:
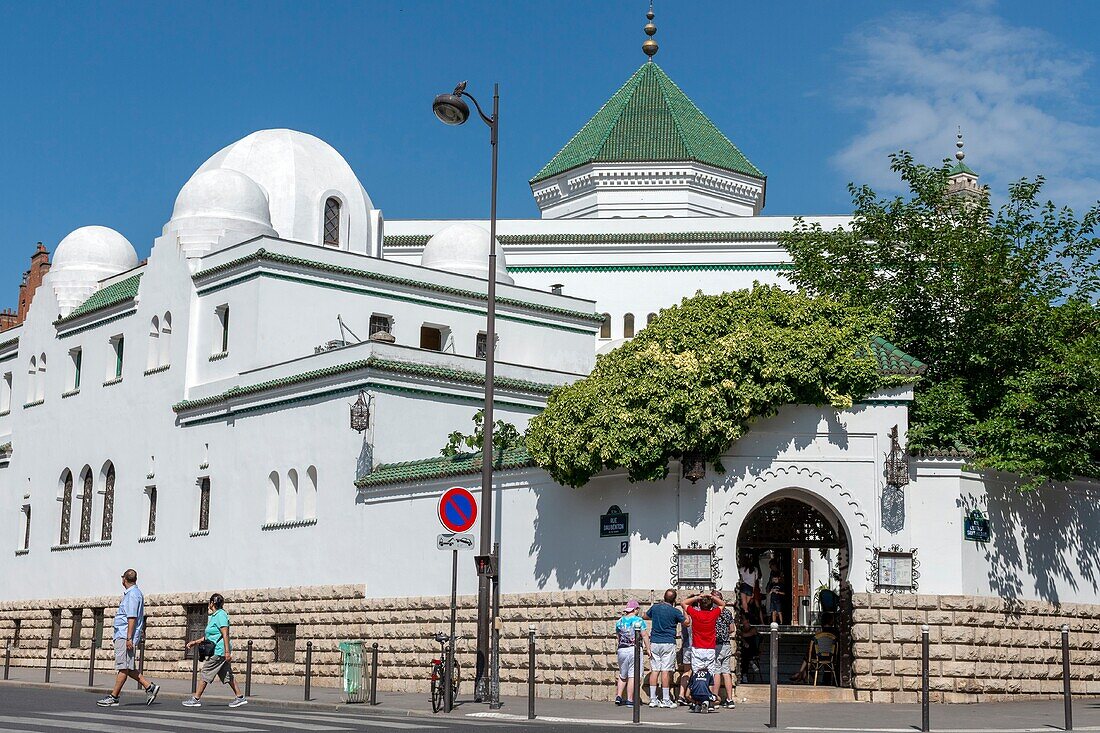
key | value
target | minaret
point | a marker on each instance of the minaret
(961, 179)
(649, 47)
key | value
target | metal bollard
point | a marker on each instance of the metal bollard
(194, 670)
(49, 659)
(7, 658)
(248, 672)
(91, 665)
(374, 673)
(1065, 678)
(309, 666)
(141, 655)
(637, 675)
(773, 675)
(531, 673)
(924, 722)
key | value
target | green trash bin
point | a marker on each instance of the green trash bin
(354, 689)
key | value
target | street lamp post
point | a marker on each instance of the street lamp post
(452, 110)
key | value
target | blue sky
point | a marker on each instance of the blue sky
(109, 107)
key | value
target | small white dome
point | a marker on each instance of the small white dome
(100, 251)
(222, 194)
(464, 249)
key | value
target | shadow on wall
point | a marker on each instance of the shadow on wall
(1038, 535)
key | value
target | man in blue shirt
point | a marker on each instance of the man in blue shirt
(129, 624)
(662, 645)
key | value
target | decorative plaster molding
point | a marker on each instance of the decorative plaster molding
(112, 382)
(157, 369)
(80, 545)
(290, 523)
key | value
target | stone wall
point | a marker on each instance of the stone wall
(980, 648)
(576, 647)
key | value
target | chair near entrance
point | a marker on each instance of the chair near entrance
(821, 656)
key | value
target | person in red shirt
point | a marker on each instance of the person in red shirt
(703, 609)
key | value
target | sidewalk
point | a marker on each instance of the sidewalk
(1015, 717)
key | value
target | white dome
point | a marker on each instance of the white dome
(222, 194)
(464, 249)
(85, 257)
(97, 250)
(299, 172)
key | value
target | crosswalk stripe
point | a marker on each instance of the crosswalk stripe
(156, 721)
(94, 727)
(345, 719)
(244, 718)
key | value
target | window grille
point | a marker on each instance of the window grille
(204, 504)
(286, 636)
(86, 509)
(480, 349)
(332, 222)
(108, 505)
(196, 616)
(74, 634)
(152, 529)
(66, 508)
(27, 528)
(378, 324)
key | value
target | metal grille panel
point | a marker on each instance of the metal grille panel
(86, 509)
(108, 505)
(66, 509)
(332, 223)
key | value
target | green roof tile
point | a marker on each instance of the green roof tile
(442, 467)
(961, 167)
(419, 240)
(386, 365)
(892, 360)
(114, 293)
(649, 119)
(9, 342)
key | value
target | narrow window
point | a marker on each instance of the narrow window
(151, 524)
(5, 393)
(118, 350)
(32, 378)
(40, 387)
(479, 347)
(97, 627)
(309, 494)
(55, 628)
(272, 514)
(204, 504)
(165, 357)
(628, 326)
(66, 499)
(605, 327)
(286, 636)
(196, 616)
(26, 526)
(107, 528)
(431, 338)
(86, 507)
(380, 323)
(77, 356)
(222, 343)
(332, 222)
(290, 497)
(649, 318)
(152, 361)
(74, 634)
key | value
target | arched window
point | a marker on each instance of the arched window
(66, 499)
(107, 528)
(290, 497)
(32, 378)
(151, 528)
(332, 222)
(40, 390)
(204, 505)
(605, 327)
(26, 526)
(165, 357)
(628, 326)
(649, 318)
(309, 494)
(86, 506)
(272, 514)
(152, 361)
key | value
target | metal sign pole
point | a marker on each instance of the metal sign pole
(1068, 700)
(924, 715)
(448, 670)
(494, 682)
(773, 674)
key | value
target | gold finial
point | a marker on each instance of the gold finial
(959, 154)
(649, 48)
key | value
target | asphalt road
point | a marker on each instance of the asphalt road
(53, 711)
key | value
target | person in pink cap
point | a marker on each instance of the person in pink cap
(629, 625)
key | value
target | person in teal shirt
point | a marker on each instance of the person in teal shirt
(217, 665)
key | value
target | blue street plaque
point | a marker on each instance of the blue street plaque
(615, 523)
(976, 527)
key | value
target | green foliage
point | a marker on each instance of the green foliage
(1000, 302)
(505, 437)
(696, 377)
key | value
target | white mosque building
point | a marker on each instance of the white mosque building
(188, 416)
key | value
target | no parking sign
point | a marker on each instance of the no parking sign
(457, 509)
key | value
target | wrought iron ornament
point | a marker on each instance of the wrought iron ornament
(897, 462)
(694, 466)
(107, 528)
(788, 523)
(873, 574)
(66, 508)
(204, 504)
(86, 508)
(690, 573)
(360, 413)
(893, 509)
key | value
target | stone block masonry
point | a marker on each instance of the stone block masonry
(980, 648)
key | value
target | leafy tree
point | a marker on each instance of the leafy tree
(505, 437)
(1000, 302)
(696, 377)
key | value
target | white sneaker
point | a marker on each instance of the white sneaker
(667, 704)
(238, 701)
(191, 702)
(654, 702)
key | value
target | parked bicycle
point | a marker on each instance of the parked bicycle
(439, 676)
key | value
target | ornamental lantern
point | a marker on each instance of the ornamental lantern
(694, 465)
(897, 462)
(360, 413)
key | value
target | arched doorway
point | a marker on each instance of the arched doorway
(799, 547)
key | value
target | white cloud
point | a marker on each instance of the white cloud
(1017, 92)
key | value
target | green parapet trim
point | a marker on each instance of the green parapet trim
(649, 119)
(385, 365)
(111, 295)
(263, 255)
(419, 240)
(894, 361)
(442, 467)
(777, 267)
(9, 342)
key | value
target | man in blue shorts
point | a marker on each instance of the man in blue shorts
(664, 616)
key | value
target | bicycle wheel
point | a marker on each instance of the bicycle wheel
(437, 688)
(455, 678)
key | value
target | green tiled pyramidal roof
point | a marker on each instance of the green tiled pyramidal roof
(961, 167)
(649, 119)
(114, 293)
(892, 360)
(442, 467)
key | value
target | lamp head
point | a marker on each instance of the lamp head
(451, 109)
